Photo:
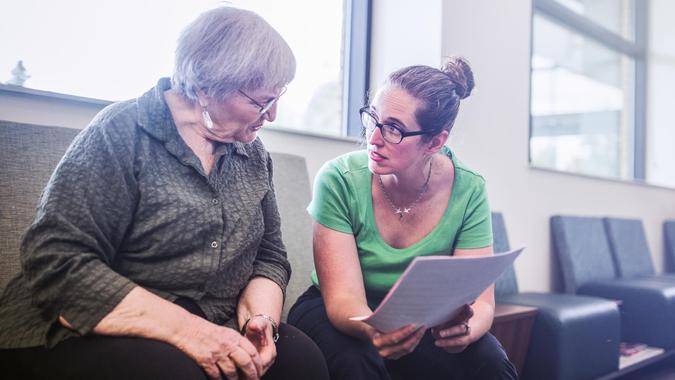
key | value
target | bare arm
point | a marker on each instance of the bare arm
(260, 296)
(475, 321)
(484, 307)
(339, 271)
(337, 266)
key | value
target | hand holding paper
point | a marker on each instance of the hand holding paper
(434, 288)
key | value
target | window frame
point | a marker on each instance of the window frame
(636, 50)
(357, 21)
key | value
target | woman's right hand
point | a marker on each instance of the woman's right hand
(219, 350)
(397, 343)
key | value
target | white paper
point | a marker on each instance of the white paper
(432, 289)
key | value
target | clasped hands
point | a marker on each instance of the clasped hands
(224, 353)
(453, 336)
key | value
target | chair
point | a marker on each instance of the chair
(669, 244)
(630, 251)
(573, 337)
(647, 305)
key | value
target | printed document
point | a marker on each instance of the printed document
(432, 289)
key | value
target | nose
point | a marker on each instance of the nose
(271, 113)
(375, 137)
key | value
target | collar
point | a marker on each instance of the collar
(154, 117)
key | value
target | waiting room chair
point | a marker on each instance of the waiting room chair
(669, 244)
(573, 337)
(647, 306)
(630, 251)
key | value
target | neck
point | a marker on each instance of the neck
(187, 118)
(188, 115)
(408, 184)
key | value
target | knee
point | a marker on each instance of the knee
(496, 368)
(355, 362)
(489, 360)
(298, 357)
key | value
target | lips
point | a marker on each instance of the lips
(376, 156)
(256, 127)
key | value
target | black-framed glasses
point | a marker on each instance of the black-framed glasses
(390, 133)
(267, 105)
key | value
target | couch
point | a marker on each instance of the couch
(29, 153)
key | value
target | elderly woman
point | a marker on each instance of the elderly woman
(156, 251)
(375, 211)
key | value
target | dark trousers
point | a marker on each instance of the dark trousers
(103, 357)
(352, 358)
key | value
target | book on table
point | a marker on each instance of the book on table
(433, 289)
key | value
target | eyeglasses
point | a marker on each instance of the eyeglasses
(266, 106)
(391, 133)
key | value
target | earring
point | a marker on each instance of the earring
(207, 118)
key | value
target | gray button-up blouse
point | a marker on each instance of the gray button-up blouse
(130, 205)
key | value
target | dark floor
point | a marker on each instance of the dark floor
(664, 370)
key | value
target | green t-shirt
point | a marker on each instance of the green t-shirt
(343, 202)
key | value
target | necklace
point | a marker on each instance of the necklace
(401, 211)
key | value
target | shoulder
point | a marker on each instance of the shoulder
(347, 165)
(125, 112)
(114, 124)
(467, 176)
(255, 150)
(256, 158)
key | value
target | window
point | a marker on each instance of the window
(588, 84)
(116, 50)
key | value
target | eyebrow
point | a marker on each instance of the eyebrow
(399, 123)
(388, 120)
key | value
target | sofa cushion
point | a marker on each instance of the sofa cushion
(292, 186)
(28, 155)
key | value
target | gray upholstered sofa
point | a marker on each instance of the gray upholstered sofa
(29, 154)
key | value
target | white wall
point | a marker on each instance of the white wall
(404, 32)
(492, 136)
(27, 108)
(491, 133)
(660, 93)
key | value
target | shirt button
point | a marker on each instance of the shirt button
(214, 244)
(215, 201)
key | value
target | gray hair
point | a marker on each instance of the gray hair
(226, 49)
(439, 92)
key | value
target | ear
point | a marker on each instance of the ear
(201, 99)
(437, 142)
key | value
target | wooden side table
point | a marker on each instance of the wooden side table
(512, 326)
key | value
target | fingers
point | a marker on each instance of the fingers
(243, 361)
(394, 337)
(443, 332)
(258, 331)
(268, 354)
(406, 343)
(459, 325)
(453, 339)
(453, 345)
(252, 352)
(464, 315)
(228, 369)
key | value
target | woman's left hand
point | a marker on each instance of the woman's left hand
(455, 335)
(259, 332)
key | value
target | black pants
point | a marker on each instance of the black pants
(352, 358)
(102, 357)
